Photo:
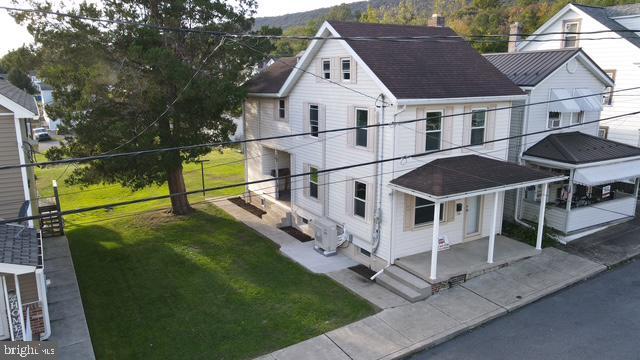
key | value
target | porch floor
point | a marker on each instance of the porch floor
(469, 258)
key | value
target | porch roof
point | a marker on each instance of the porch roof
(20, 249)
(468, 175)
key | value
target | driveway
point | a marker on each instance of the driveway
(610, 246)
(598, 319)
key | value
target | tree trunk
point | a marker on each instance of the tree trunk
(180, 203)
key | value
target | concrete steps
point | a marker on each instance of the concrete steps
(404, 284)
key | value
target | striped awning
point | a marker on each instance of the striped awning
(565, 106)
(592, 100)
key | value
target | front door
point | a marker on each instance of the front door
(4, 320)
(473, 209)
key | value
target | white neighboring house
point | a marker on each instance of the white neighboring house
(601, 174)
(47, 98)
(618, 57)
(383, 214)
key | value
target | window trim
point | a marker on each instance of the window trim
(325, 72)
(566, 23)
(605, 130)
(441, 130)
(343, 72)
(356, 198)
(311, 131)
(580, 116)
(366, 129)
(484, 126)
(549, 119)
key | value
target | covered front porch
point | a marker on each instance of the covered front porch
(471, 245)
(466, 260)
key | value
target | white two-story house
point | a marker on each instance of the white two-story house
(604, 35)
(382, 214)
(561, 124)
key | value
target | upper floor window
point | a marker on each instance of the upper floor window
(603, 132)
(360, 199)
(425, 211)
(577, 118)
(554, 120)
(314, 124)
(282, 108)
(607, 97)
(345, 65)
(362, 120)
(478, 124)
(571, 29)
(326, 68)
(313, 182)
(433, 130)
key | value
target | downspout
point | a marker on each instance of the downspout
(392, 255)
(525, 128)
(377, 215)
(41, 286)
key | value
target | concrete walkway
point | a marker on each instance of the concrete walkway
(68, 323)
(406, 328)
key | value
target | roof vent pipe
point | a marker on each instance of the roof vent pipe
(436, 20)
(515, 36)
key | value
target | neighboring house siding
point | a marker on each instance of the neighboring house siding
(611, 54)
(11, 185)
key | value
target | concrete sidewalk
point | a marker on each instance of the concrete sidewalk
(406, 328)
(69, 329)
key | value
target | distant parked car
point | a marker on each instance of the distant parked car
(41, 134)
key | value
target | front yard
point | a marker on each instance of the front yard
(155, 286)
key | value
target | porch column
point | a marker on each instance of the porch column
(543, 204)
(494, 224)
(434, 240)
(18, 295)
(277, 194)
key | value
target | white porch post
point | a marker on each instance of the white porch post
(494, 224)
(277, 194)
(19, 296)
(434, 240)
(543, 204)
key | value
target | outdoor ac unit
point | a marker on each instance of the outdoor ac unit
(326, 237)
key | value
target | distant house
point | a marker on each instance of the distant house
(601, 174)
(399, 215)
(618, 57)
(46, 99)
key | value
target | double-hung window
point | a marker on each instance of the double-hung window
(314, 124)
(554, 120)
(425, 211)
(362, 132)
(478, 124)
(282, 109)
(571, 28)
(326, 68)
(433, 131)
(577, 117)
(313, 182)
(360, 199)
(345, 66)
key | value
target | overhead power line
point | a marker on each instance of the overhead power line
(276, 137)
(489, 37)
(319, 171)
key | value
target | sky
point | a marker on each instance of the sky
(15, 35)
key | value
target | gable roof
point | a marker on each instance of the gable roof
(623, 10)
(529, 68)
(426, 69)
(20, 246)
(271, 79)
(18, 96)
(579, 148)
(602, 15)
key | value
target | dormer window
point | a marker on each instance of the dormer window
(571, 30)
(345, 65)
(326, 69)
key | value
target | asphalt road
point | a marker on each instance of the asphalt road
(596, 319)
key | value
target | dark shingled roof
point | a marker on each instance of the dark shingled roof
(426, 69)
(602, 15)
(18, 96)
(462, 174)
(623, 10)
(528, 68)
(270, 80)
(578, 148)
(20, 246)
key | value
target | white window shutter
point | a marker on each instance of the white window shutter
(466, 128)
(447, 128)
(305, 117)
(335, 69)
(351, 121)
(420, 131)
(409, 212)
(321, 189)
(371, 203)
(490, 129)
(450, 211)
(276, 107)
(305, 186)
(322, 119)
(349, 192)
(354, 71)
(372, 132)
(319, 72)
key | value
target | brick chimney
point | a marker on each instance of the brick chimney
(436, 20)
(515, 36)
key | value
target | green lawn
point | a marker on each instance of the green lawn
(156, 286)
